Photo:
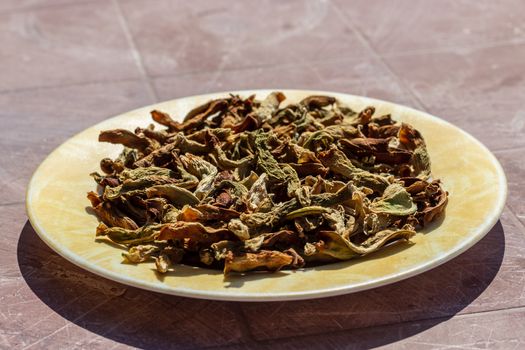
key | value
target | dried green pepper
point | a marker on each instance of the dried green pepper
(243, 184)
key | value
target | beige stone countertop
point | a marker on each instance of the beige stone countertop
(68, 64)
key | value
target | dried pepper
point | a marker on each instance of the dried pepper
(243, 184)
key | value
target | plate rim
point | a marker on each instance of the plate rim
(70, 256)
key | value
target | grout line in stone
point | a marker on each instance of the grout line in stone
(511, 309)
(9, 204)
(508, 149)
(368, 45)
(455, 49)
(46, 7)
(58, 86)
(135, 52)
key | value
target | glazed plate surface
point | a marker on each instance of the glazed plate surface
(57, 208)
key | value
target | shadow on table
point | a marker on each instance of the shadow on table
(153, 321)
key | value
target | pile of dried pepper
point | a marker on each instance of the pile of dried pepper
(247, 184)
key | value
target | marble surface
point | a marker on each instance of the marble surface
(67, 64)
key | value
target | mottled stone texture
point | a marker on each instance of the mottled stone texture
(66, 64)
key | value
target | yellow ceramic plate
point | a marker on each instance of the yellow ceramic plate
(56, 205)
